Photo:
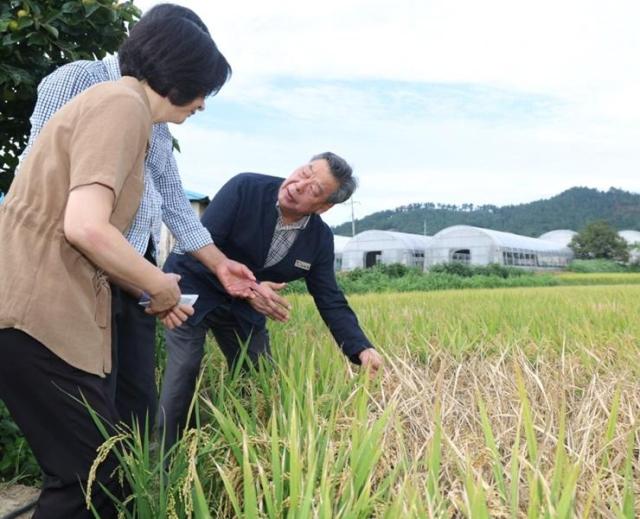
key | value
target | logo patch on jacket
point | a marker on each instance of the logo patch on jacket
(302, 265)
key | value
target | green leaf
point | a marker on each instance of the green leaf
(36, 39)
(10, 38)
(200, 505)
(51, 30)
(24, 23)
(70, 7)
(90, 8)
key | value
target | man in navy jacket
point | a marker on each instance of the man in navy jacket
(271, 225)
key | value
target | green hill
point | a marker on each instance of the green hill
(571, 209)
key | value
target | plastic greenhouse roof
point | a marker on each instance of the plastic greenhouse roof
(339, 242)
(507, 240)
(406, 240)
(561, 236)
(630, 236)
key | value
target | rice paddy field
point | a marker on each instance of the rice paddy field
(518, 402)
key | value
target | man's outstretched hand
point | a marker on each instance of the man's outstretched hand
(236, 278)
(371, 360)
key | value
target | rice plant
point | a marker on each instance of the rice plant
(493, 403)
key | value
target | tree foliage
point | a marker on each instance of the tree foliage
(37, 36)
(598, 240)
(572, 209)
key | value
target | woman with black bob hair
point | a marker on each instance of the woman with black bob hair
(182, 67)
(61, 229)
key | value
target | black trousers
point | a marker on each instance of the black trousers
(132, 380)
(41, 392)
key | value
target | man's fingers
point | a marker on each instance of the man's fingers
(274, 286)
(268, 291)
(243, 289)
(247, 273)
(371, 360)
(279, 314)
(275, 312)
(282, 301)
(280, 307)
(270, 309)
(262, 289)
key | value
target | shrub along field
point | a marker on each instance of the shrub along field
(398, 278)
(494, 403)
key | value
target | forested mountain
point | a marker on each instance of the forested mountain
(571, 209)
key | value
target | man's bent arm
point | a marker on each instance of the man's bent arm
(177, 213)
(192, 236)
(334, 309)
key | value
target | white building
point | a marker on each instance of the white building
(477, 246)
(369, 248)
(339, 243)
(632, 237)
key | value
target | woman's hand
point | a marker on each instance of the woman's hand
(165, 295)
(175, 316)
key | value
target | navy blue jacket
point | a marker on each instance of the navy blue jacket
(241, 219)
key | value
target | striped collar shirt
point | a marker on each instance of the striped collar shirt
(283, 237)
(163, 197)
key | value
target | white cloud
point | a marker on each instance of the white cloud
(531, 45)
(531, 97)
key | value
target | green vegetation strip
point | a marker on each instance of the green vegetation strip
(397, 278)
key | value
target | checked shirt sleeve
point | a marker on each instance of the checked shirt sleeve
(54, 91)
(177, 213)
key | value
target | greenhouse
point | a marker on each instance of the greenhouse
(561, 236)
(369, 248)
(339, 243)
(632, 237)
(477, 246)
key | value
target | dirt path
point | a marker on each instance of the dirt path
(16, 496)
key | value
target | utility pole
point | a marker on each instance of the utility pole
(353, 219)
(425, 226)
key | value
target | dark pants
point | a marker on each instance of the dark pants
(132, 380)
(185, 349)
(40, 391)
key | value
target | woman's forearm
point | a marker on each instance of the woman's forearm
(87, 227)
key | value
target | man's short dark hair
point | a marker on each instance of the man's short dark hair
(171, 49)
(343, 173)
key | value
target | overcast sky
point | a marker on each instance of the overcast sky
(448, 101)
